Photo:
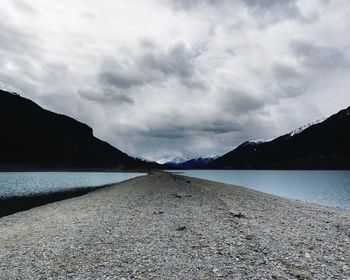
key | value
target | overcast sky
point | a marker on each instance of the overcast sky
(179, 78)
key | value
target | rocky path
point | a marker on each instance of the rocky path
(164, 226)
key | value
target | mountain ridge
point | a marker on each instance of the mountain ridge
(197, 162)
(36, 138)
(320, 145)
(183, 163)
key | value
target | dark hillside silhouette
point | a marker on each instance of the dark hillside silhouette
(35, 138)
(325, 145)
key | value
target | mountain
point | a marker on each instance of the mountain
(183, 163)
(171, 162)
(324, 144)
(198, 162)
(35, 138)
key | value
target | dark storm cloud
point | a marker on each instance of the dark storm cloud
(238, 102)
(190, 130)
(289, 79)
(285, 72)
(319, 57)
(176, 62)
(122, 79)
(106, 97)
(273, 11)
(267, 11)
(153, 66)
(286, 8)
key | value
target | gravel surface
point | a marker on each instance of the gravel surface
(164, 226)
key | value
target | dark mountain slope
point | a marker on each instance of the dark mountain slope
(325, 145)
(32, 137)
(198, 162)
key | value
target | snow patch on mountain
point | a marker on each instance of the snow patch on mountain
(302, 128)
(256, 141)
(172, 160)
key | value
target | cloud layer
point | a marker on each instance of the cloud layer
(176, 77)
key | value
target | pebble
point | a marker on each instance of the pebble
(307, 255)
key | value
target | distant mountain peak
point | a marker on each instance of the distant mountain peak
(193, 163)
(172, 160)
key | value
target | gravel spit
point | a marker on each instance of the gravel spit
(165, 226)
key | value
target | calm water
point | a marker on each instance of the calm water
(27, 183)
(329, 188)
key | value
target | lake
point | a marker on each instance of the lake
(329, 188)
(29, 183)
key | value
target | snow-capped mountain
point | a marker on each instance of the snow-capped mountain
(172, 160)
(198, 162)
(254, 142)
(324, 144)
(257, 141)
(185, 163)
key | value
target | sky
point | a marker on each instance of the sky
(160, 78)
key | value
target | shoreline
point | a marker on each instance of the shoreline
(170, 226)
(14, 204)
(65, 169)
